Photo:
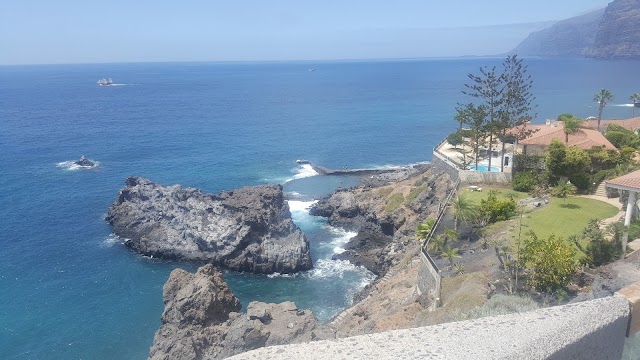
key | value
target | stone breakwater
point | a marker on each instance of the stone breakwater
(248, 229)
(202, 320)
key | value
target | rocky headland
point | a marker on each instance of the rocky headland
(202, 320)
(385, 213)
(248, 229)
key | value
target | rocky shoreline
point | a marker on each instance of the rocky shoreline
(385, 213)
(202, 320)
(248, 229)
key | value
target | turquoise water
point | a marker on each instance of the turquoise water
(485, 168)
(70, 290)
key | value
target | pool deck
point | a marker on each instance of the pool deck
(455, 155)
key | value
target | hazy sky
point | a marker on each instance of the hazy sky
(76, 31)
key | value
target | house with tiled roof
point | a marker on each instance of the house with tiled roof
(631, 183)
(632, 124)
(541, 137)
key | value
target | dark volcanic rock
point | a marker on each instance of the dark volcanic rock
(248, 229)
(201, 321)
(618, 35)
(84, 162)
(383, 234)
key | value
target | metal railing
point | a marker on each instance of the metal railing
(441, 211)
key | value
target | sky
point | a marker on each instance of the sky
(86, 31)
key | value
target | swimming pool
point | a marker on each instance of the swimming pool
(485, 168)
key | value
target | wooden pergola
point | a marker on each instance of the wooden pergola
(630, 183)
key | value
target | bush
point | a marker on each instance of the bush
(581, 181)
(497, 210)
(551, 262)
(620, 139)
(524, 181)
(600, 251)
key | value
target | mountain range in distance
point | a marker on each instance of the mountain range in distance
(609, 33)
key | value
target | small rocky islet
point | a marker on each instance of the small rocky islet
(248, 229)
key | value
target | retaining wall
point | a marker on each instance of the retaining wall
(429, 282)
(590, 330)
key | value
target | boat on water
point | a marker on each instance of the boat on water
(105, 82)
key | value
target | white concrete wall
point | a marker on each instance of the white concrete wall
(591, 330)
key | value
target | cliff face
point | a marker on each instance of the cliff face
(618, 35)
(201, 320)
(248, 229)
(571, 37)
(385, 217)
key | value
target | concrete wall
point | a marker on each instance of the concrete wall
(429, 282)
(588, 330)
(441, 163)
(484, 177)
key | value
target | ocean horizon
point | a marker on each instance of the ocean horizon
(71, 288)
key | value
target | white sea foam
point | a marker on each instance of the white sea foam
(341, 238)
(304, 171)
(112, 239)
(300, 206)
(326, 268)
(72, 166)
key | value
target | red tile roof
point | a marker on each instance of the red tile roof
(632, 124)
(585, 138)
(631, 180)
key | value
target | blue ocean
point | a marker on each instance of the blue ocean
(71, 290)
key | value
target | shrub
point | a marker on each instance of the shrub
(497, 210)
(524, 181)
(600, 251)
(581, 181)
(550, 261)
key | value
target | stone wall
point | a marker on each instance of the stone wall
(588, 330)
(484, 177)
(442, 164)
(429, 282)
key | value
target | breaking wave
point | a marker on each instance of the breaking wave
(72, 166)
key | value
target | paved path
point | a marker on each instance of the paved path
(612, 201)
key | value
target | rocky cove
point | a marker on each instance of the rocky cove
(201, 317)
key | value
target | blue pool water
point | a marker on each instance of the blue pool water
(70, 290)
(485, 168)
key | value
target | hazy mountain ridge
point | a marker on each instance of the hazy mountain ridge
(609, 33)
(571, 37)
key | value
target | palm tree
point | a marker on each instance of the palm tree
(572, 125)
(437, 243)
(463, 210)
(424, 229)
(451, 254)
(602, 97)
(636, 99)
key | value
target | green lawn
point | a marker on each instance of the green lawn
(476, 196)
(565, 219)
(555, 218)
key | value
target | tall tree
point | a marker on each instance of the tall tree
(488, 86)
(474, 116)
(602, 97)
(636, 100)
(517, 100)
